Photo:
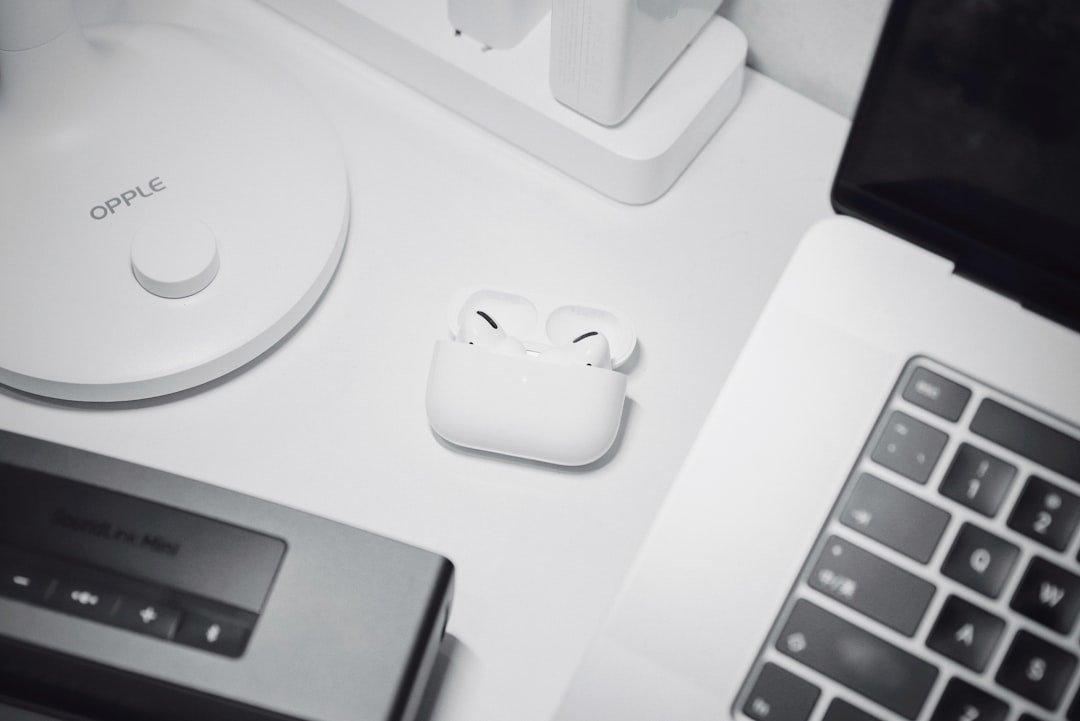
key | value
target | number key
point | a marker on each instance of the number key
(1046, 513)
(978, 480)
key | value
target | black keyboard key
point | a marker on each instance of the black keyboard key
(1028, 437)
(1037, 670)
(841, 710)
(980, 560)
(1046, 513)
(895, 518)
(871, 585)
(966, 633)
(1048, 594)
(978, 480)
(779, 695)
(936, 394)
(909, 447)
(1073, 712)
(858, 659)
(963, 702)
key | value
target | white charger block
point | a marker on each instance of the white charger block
(522, 405)
(607, 54)
(508, 91)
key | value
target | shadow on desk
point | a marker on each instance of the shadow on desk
(450, 647)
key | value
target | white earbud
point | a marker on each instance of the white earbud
(588, 349)
(480, 329)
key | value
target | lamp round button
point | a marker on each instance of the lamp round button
(175, 256)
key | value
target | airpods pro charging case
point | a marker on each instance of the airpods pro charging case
(523, 405)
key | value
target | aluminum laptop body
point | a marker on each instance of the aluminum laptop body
(880, 518)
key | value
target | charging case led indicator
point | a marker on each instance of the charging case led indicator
(523, 405)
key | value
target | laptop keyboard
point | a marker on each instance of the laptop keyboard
(945, 584)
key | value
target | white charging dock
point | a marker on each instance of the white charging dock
(171, 209)
(507, 91)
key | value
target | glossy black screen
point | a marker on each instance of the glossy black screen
(967, 141)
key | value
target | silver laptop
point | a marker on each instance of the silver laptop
(880, 518)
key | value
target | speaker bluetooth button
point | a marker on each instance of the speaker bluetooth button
(81, 599)
(208, 634)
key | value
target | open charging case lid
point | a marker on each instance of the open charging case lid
(523, 405)
(542, 322)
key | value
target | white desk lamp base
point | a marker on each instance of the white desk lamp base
(169, 210)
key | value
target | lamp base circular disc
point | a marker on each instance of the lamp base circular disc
(160, 134)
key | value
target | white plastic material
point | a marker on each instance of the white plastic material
(498, 24)
(26, 24)
(508, 91)
(541, 322)
(607, 54)
(525, 406)
(117, 147)
(175, 257)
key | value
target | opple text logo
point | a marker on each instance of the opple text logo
(110, 206)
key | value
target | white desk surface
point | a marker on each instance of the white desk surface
(332, 421)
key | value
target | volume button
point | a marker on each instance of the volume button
(152, 619)
(24, 584)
